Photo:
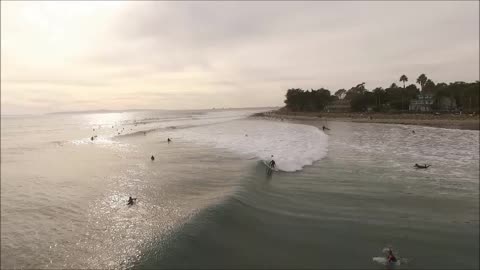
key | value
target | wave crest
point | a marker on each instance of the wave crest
(293, 146)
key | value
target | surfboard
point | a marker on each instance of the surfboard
(383, 261)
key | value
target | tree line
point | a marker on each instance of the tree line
(393, 98)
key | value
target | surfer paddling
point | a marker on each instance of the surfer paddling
(421, 166)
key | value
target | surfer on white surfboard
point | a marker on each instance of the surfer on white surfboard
(391, 258)
(272, 163)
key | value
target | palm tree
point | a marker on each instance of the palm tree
(403, 79)
(422, 80)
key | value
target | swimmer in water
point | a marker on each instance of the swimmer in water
(152, 158)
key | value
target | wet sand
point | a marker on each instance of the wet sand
(451, 121)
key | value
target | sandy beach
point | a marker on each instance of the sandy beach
(447, 120)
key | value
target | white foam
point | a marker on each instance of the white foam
(292, 145)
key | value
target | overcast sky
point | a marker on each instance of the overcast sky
(58, 56)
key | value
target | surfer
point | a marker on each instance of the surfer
(272, 164)
(325, 128)
(391, 258)
(413, 131)
(131, 200)
(152, 158)
(91, 138)
(421, 166)
(168, 140)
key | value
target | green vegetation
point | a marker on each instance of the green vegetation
(313, 100)
(464, 96)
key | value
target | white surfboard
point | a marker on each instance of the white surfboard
(384, 261)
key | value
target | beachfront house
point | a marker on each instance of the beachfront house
(340, 105)
(423, 103)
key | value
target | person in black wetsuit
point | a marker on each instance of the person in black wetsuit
(272, 164)
(152, 158)
(391, 258)
(131, 200)
(325, 128)
(421, 166)
(168, 140)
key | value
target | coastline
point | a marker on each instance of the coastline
(449, 121)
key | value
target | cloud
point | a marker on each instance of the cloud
(221, 54)
(64, 82)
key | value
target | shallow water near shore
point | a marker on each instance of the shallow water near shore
(207, 201)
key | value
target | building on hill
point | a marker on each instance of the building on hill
(423, 103)
(341, 105)
(428, 103)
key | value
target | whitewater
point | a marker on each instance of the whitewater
(292, 146)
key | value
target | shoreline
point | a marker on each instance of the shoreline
(449, 121)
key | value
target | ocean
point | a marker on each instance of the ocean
(340, 197)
